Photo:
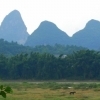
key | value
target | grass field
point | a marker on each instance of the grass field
(52, 91)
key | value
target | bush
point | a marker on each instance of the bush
(5, 90)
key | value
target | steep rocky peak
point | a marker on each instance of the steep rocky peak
(13, 28)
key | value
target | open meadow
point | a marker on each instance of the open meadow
(52, 91)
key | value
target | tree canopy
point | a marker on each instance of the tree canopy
(81, 65)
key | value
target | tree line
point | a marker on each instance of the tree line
(80, 65)
(13, 48)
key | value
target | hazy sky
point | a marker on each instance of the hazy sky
(69, 15)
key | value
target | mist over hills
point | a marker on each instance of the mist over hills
(89, 36)
(13, 29)
(47, 34)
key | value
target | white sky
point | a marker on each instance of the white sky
(69, 15)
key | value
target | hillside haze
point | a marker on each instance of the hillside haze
(47, 34)
(89, 36)
(13, 28)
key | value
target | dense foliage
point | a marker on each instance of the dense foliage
(5, 90)
(83, 64)
(12, 48)
(57, 49)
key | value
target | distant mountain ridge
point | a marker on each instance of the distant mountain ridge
(13, 29)
(48, 33)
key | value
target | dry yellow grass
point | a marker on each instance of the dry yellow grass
(30, 93)
(59, 94)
